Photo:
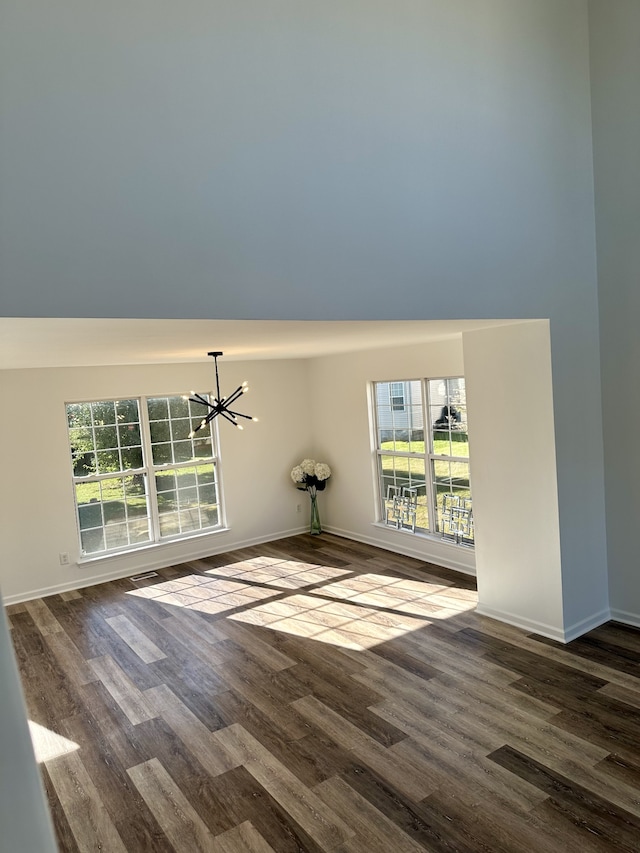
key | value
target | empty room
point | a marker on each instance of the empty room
(398, 609)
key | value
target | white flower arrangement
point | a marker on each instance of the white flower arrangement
(311, 475)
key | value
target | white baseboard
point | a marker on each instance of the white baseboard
(632, 619)
(157, 560)
(430, 550)
(561, 635)
(579, 628)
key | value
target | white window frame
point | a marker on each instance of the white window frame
(429, 456)
(149, 471)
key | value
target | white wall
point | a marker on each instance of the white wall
(342, 437)
(615, 82)
(37, 496)
(512, 447)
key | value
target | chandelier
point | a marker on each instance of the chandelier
(221, 405)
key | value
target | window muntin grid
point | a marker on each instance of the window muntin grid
(425, 450)
(138, 476)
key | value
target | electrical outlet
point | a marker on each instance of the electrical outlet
(299, 508)
(64, 558)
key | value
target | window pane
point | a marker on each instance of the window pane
(186, 477)
(127, 412)
(182, 451)
(205, 474)
(171, 427)
(131, 458)
(138, 532)
(109, 510)
(129, 434)
(188, 497)
(106, 437)
(160, 431)
(404, 492)
(165, 481)
(181, 429)
(189, 521)
(161, 454)
(178, 408)
(169, 524)
(84, 464)
(158, 408)
(208, 494)
(112, 499)
(108, 461)
(203, 448)
(78, 414)
(104, 413)
(448, 416)
(89, 513)
(95, 438)
(80, 437)
(116, 536)
(453, 500)
(92, 541)
(209, 515)
(187, 501)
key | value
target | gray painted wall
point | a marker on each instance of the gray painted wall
(615, 75)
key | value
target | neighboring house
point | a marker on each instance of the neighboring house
(400, 408)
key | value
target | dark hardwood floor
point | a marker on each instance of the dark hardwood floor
(314, 695)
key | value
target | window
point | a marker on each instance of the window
(139, 477)
(422, 456)
(396, 396)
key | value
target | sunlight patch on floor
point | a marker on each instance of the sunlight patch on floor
(345, 608)
(351, 626)
(281, 574)
(48, 745)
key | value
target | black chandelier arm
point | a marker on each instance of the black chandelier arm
(197, 398)
(233, 397)
(240, 415)
(210, 416)
(230, 417)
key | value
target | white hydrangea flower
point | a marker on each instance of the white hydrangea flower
(297, 474)
(322, 471)
(308, 466)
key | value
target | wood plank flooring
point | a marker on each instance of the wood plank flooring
(315, 694)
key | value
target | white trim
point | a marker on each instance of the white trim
(560, 635)
(150, 546)
(625, 617)
(151, 565)
(441, 555)
(579, 628)
(518, 622)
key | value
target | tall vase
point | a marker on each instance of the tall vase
(315, 527)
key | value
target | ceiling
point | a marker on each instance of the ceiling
(75, 342)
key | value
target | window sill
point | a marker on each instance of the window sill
(427, 537)
(149, 546)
